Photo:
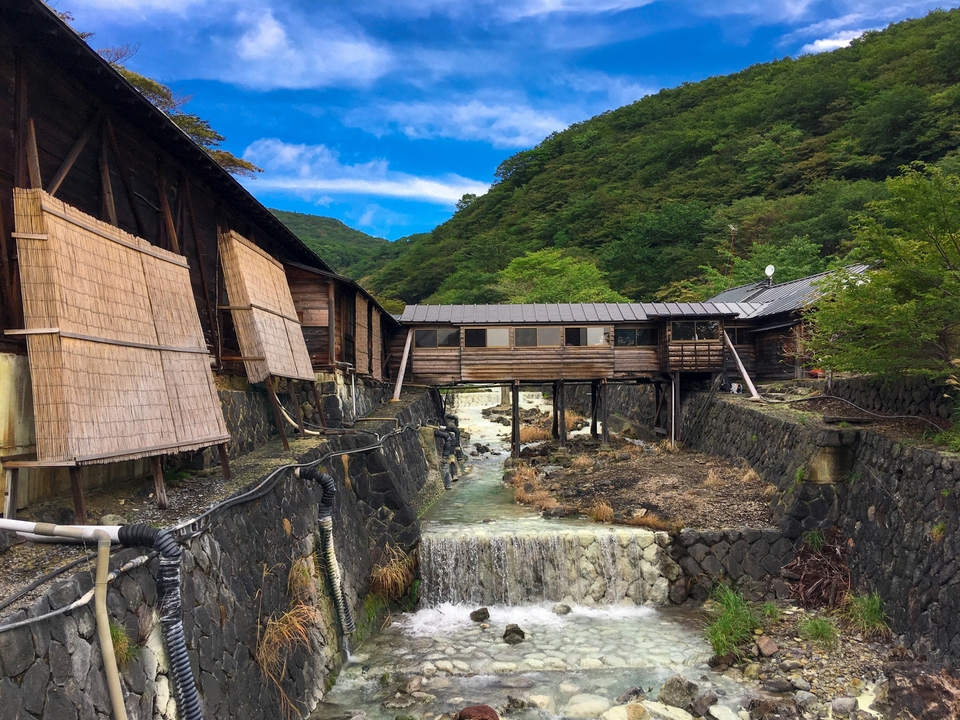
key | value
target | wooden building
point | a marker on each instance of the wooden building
(77, 132)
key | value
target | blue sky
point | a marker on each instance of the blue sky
(383, 113)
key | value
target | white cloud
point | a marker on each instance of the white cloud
(839, 40)
(617, 90)
(502, 125)
(308, 171)
(270, 54)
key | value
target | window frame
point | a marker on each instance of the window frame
(604, 335)
(696, 338)
(654, 333)
(436, 338)
(486, 337)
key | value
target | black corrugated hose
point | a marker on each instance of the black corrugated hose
(171, 618)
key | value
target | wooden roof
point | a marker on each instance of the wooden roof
(566, 313)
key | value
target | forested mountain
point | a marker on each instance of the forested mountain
(348, 251)
(772, 162)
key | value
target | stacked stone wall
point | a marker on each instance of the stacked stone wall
(895, 505)
(234, 579)
(894, 396)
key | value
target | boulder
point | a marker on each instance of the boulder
(633, 711)
(700, 705)
(561, 609)
(666, 712)
(633, 695)
(844, 707)
(777, 685)
(919, 690)
(767, 646)
(585, 705)
(678, 691)
(6, 540)
(478, 712)
(767, 709)
(480, 614)
(513, 635)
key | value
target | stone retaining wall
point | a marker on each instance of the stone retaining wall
(895, 505)
(234, 579)
(893, 396)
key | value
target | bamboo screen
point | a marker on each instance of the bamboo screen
(118, 363)
(268, 331)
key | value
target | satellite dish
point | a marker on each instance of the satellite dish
(769, 271)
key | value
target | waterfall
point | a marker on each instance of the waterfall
(587, 566)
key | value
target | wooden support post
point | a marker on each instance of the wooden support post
(79, 506)
(593, 408)
(403, 363)
(332, 331)
(127, 181)
(292, 392)
(743, 371)
(108, 206)
(21, 176)
(168, 222)
(211, 315)
(159, 488)
(659, 426)
(318, 403)
(13, 487)
(555, 428)
(604, 415)
(277, 417)
(674, 396)
(562, 413)
(33, 156)
(72, 156)
(8, 290)
(224, 461)
(515, 419)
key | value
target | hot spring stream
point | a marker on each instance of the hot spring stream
(479, 548)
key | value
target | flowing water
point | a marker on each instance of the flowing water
(479, 548)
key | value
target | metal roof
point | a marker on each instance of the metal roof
(777, 298)
(585, 313)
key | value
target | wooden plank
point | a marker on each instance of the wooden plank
(403, 364)
(72, 156)
(21, 110)
(331, 313)
(12, 492)
(604, 415)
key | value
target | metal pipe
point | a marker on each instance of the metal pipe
(76, 532)
(103, 625)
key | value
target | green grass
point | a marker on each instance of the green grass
(734, 625)
(865, 613)
(770, 612)
(124, 650)
(815, 540)
(938, 531)
(820, 631)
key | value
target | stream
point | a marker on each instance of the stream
(479, 548)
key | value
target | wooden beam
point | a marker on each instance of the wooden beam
(33, 156)
(72, 156)
(604, 415)
(318, 403)
(21, 110)
(127, 181)
(159, 488)
(593, 408)
(515, 419)
(108, 206)
(76, 484)
(561, 401)
(332, 330)
(11, 499)
(211, 315)
(224, 462)
(555, 429)
(277, 417)
(168, 222)
(8, 291)
(743, 371)
(403, 363)
(292, 392)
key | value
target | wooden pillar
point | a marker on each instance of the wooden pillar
(515, 418)
(277, 417)
(561, 414)
(332, 326)
(33, 156)
(593, 408)
(79, 506)
(318, 403)
(224, 462)
(555, 430)
(604, 415)
(292, 391)
(13, 486)
(159, 489)
(108, 206)
(211, 313)
(403, 365)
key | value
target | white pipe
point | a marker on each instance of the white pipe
(77, 532)
(294, 423)
(103, 624)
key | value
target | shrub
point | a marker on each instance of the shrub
(532, 434)
(865, 613)
(582, 462)
(601, 512)
(815, 540)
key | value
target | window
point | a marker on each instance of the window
(634, 337)
(739, 336)
(440, 337)
(584, 336)
(536, 337)
(486, 337)
(696, 330)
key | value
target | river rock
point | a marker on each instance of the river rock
(544, 702)
(478, 712)
(513, 635)
(480, 614)
(767, 646)
(678, 691)
(666, 712)
(633, 711)
(517, 682)
(444, 665)
(113, 519)
(586, 705)
(412, 685)
(700, 705)
(722, 712)
(919, 689)
(633, 695)
(805, 699)
(777, 685)
(844, 706)
(767, 709)
(751, 671)
(561, 609)
(6, 540)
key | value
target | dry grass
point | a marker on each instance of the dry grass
(572, 419)
(392, 577)
(301, 584)
(665, 447)
(279, 638)
(600, 512)
(527, 491)
(769, 491)
(652, 521)
(749, 476)
(533, 433)
(714, 478)
(582, 462)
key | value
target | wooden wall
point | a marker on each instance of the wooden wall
(362, 354)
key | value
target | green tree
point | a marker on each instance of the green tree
(905, 315)
(550, 276)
